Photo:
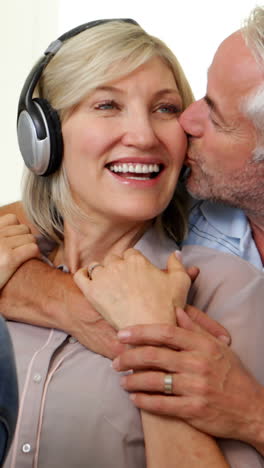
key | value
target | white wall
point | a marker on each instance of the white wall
(26, 28)
(192, 29)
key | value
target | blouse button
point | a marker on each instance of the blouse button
(37, 378)
(26, 448)
(72, 340)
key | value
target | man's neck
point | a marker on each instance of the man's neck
(258, 236)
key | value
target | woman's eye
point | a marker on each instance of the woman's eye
(107, 105)
(168, 109)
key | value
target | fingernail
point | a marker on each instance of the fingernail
(178, 255)
(132, 396)
(124, 334)
(123, 381)
(225, 339)
(116, 363)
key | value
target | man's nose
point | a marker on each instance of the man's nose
(192, 119)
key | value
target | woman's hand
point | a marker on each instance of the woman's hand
(131, 290)
(17, 245)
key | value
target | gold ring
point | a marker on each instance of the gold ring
(168, 384)
(91, 269)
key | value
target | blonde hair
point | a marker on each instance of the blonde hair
(90, 59)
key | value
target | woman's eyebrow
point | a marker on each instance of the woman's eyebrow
(110, 88)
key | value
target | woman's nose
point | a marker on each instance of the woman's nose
(192, 119)
(139, 131)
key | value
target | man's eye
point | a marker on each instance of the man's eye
(214, 122)
(106, 105)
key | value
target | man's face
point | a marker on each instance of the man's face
(222, 138)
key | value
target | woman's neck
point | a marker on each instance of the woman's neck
(93, 242)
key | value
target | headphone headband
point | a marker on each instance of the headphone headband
(38, 125)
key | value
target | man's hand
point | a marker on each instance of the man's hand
(205, 322)
(17, 245)
(212, 390)
(56, 303)
(132, 290)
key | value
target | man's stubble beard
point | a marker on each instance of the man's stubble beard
(243, 189)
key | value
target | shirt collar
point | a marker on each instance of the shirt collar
(156, 246)
(228, 220)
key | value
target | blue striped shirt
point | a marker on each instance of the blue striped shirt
(223, 228)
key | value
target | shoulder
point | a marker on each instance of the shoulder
(220, 264)
(231, 291)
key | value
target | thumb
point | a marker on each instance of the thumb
(195, 320)
(174, 263)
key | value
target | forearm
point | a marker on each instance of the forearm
(35, 294)
(43, 296)
(171, 442)
(251, 429)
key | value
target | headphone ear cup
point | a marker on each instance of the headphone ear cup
(40, 138)
(54, 133)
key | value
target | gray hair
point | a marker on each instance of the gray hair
(253, 105)
(84, 62)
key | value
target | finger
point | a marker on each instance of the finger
(112, 258)
(82, 279)
(144, 382)
(175, 266)
(19, 240)
(193, 272)
(25, 252)
(153, 382)
(159, 335)
(168, 405)
(8, 219)
(93, 269)
(174, 262)
(151, 357)
(132, 252)
(13, 230)
(196, 316)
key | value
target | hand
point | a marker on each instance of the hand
(204, 321)
(17, 245)
(212, 390)
(132, 290)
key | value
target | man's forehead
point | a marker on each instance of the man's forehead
(234, 70)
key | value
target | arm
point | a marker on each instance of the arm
(213, 391)
(170, 442)
(56, 297)
(56, 301)
(219, 389)
(133, 290)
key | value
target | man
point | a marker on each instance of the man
(210, 388)
(224, 130)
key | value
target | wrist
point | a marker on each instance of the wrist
(254, 428)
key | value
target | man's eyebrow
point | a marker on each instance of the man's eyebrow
(213, 106)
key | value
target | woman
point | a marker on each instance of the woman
(118, 93)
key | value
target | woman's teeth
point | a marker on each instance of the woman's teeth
(140, 169)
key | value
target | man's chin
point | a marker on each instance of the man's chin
(194, 189)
